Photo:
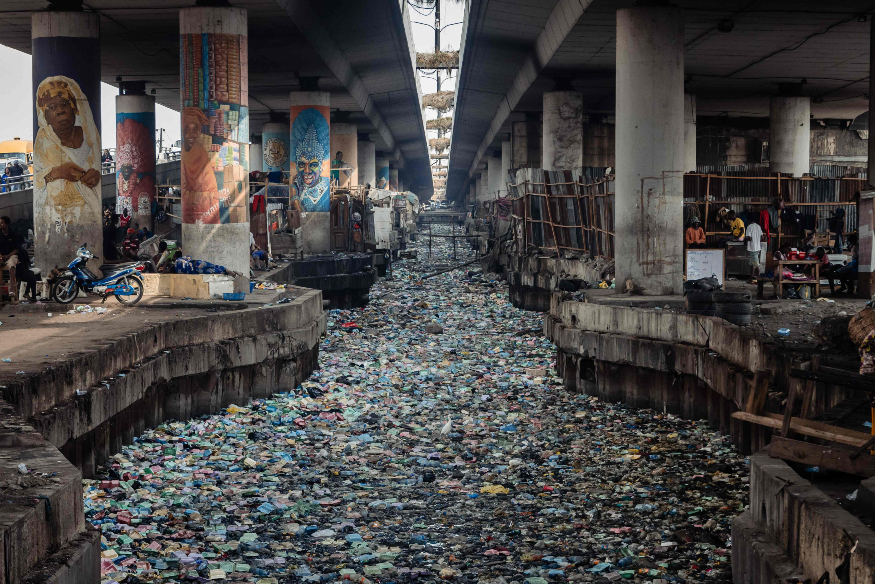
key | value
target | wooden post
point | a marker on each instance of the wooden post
(791, 400)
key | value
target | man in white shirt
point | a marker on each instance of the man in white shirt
(754, 238)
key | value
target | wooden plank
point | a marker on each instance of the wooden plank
(759, 390)
(835, 376)
(823, 427)
(803, 427)
(822, 456)
(810, 387)
(791, 401)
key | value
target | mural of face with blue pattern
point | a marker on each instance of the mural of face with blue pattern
(310, 143)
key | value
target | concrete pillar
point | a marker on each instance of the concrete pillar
(789, 135)
(519, 156)
(506, 153)
(382, 173)
(67, 208)
(345, 140)
(689, 133)
(478, 189)
(599, 145)
(135, 156)
(866, 212)
(275, 158)
(310, 148)
(648, 215)
(563, 130)
(393, 177)
(214, 51)
(367, 156)
(493, 166)
(256, 157)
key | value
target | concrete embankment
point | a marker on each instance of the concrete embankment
(64, 420)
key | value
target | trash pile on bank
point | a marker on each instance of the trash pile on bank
(435, 443)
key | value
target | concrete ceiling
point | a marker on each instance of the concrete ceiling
(361, 50)
(515, 50)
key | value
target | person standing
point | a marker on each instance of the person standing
(838, 221)
(10, 246)
(17, 174)
(754, 238)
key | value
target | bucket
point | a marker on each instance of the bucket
(251, 286)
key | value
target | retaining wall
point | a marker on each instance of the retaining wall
(170, 370)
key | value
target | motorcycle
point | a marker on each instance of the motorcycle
(121, 280)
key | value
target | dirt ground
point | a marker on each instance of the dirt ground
(33, 337)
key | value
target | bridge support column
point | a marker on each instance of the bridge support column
(393, 177)
(866, 217)
(689, 133)
(493, 169)
(67, 205)
(367, 156)
(275, 153)
(214, 92)
(648, 215)
(310, 149)
(135, 156)
(344, 140)
(789, 135)
(563, 130)
(506, 152)
(382, 173)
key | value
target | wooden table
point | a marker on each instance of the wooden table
(815, 281)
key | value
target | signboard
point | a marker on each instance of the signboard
(704, 263)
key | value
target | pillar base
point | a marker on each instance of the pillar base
(221, 244)
(316, 231)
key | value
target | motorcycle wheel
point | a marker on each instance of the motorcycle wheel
(65, 290)
(137, 285)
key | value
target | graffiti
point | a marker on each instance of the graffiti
(66, 155)
(135, 162)
(215, 128)
(276, 153)
(309, 145)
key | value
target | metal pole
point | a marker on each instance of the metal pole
(454, 240)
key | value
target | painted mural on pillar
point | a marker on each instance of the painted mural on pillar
(135, 162)
(309, 146)
(383, 177)
(276, 152)
(393, 180)
(215, 128)
(66, 156)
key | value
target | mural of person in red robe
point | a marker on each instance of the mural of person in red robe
(200, 192)
(136, 181)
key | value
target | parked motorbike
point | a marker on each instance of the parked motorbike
(120, 280)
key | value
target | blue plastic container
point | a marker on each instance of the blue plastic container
(251, 286)
(234, 295)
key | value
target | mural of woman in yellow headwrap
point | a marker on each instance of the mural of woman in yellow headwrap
(66, 154)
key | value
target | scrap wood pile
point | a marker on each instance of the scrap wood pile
(439, 144)
(439, 124)
(837, 448)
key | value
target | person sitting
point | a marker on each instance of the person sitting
(185, 265)
(695, 235)
(736, 226)
(825, 267)
(143, 233)
(24, 274)
(110, 236)
(131, 246)
(163, 260)
(846, 274)
(259, 257)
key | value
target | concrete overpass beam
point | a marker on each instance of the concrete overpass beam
(650, 149)
(67, 209)
(310, 147)
(367, 156)
(689, 133)
(275, 153)
(215, 154)
(345, 142)
(563, 130)
(789, 135)
(135, 156)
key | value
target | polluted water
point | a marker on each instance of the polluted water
(435, 443)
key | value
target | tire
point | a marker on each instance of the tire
(691, 307)
(138, 286)
(65, 290)
(737, 319)
(734, 308)
(729, 297)
(699, 296)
